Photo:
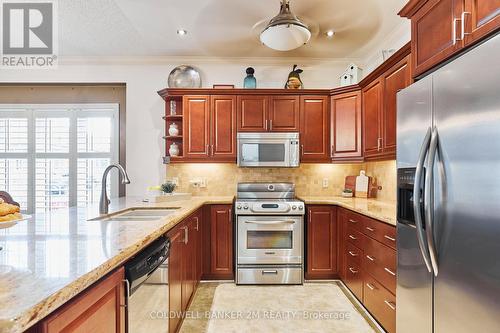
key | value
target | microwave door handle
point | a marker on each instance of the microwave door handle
(429, 201)
(417, 199)
(271, 222)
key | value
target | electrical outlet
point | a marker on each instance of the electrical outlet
(175, 180)
(325, 182)
(203, 182)
(195, 182)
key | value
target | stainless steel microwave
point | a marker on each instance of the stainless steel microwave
(268, 150)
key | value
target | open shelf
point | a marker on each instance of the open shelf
(173, 117)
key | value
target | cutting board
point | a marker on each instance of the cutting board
(362, 182)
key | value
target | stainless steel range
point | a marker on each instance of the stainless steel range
(270, 234)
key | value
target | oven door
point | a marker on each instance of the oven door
(259, 152)
(270, 239)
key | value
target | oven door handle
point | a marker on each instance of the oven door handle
(271, 222)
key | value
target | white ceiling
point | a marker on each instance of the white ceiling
(218, 28)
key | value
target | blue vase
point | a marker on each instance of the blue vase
(250, 82)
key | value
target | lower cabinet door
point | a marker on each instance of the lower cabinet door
(354, 278)
(380, 302)
(321, 243)
(175, 276)
(221, 242)
(99, 309)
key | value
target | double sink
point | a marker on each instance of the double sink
(138, 214)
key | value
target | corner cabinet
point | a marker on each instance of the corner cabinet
(442, 28)
(99, 309)
(321, 242)
(314, 129)
(345, 125)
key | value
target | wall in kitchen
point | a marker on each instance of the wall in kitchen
(144, 76)
(221, 179)
(384, 173)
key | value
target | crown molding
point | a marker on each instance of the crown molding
(169, 60)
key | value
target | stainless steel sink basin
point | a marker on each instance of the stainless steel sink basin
(137, 214)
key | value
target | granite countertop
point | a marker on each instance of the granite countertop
(52, 257)
(384, 211)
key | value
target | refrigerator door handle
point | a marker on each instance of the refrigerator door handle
(417, 199)
(429, 201)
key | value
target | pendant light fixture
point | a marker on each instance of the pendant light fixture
(285, 31)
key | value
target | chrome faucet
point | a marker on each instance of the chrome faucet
(104, 202)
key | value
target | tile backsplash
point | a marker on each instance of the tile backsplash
(221, 179)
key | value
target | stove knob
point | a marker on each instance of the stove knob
(245, 207)
(238, 207)
(294, 207)
(301, 207)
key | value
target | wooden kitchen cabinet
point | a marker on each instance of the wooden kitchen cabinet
(223, 128)
(184, 270)
(345, 125)
(221, 243)
(442, 28)
(481, 18)
(372, 119)
(395, 79)
(284, 114)
(314, 129)
(99, 309)
(196, 127)
(321, 242)
(380, 110)
(369, 257)
(252, 113)
(175, 277)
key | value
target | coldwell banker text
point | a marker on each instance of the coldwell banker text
(29, 34)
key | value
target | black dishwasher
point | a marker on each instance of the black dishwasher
(147, 288)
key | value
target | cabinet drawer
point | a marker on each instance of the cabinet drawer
(380, 231)
(353, 253)
(354, 237)
(380, 261)
(380, 302)
(354, 221)
(354, 278)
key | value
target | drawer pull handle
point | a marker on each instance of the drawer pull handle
(389, 271)
(390, 304)
(270, 272)
(353, 271)
(353, 221)
(354, 254)
(370, 258)
(370, 229)
(390, 238)
(370, 286)
(352, 237)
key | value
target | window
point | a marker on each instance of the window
(53, 156)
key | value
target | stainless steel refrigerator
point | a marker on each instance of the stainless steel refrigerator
(448, 160)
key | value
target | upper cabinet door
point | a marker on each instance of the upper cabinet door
(372, 118)
(223, 133)
(196, 126)
(314, 129)
(252, 113)
(394, 80)
(284, 114)
(436, 30)
(346, 127)
(481, 18)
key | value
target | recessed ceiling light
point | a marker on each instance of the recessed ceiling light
(182, 32)
(330, 33)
